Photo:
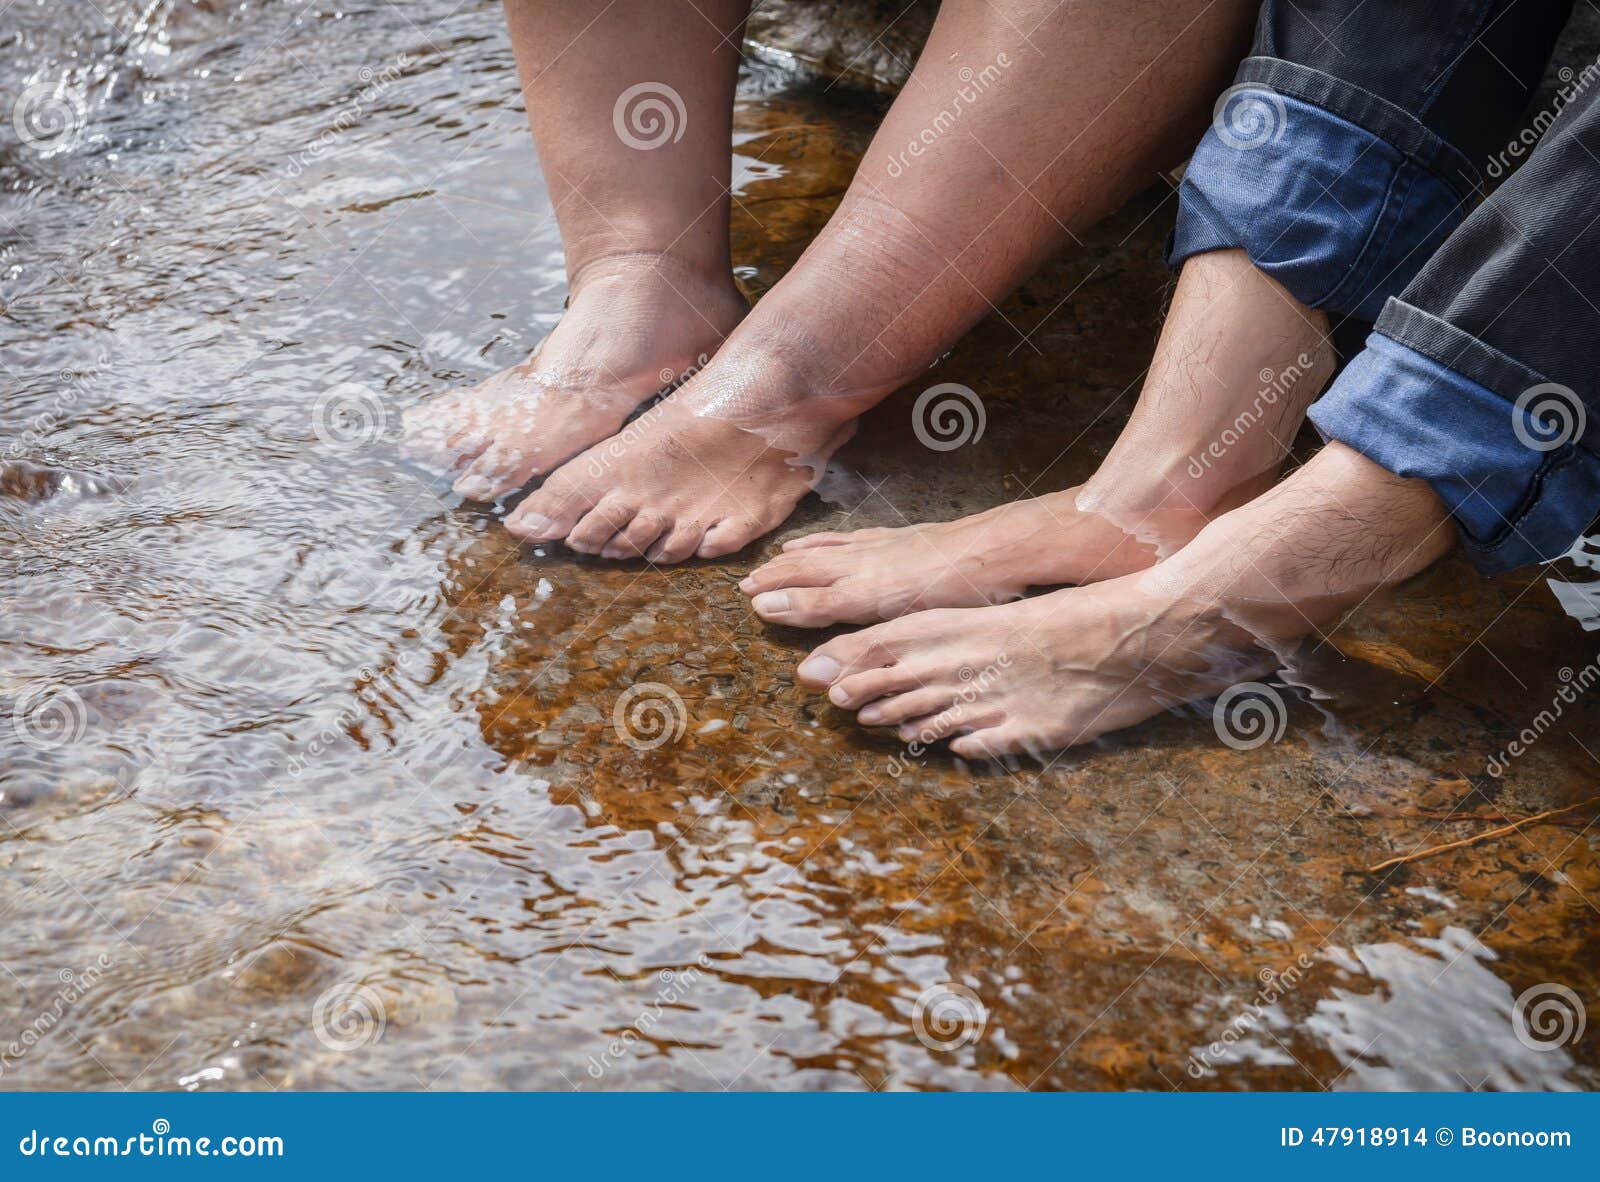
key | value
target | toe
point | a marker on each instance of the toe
(634, 539)
(856, 690)
(600, 524)
(501, 469)
(789, 571)
(844, 655)
(680, 543)
(812, 541)
(551, 512)
(812, 607)
(895, 709)
(729, 535)
(988, 743)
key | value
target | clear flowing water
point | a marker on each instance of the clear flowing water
(312, 778)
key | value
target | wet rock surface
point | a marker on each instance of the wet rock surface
(313, 778)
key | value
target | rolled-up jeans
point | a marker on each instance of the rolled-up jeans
(1348, 162)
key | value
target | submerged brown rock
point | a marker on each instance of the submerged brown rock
(350, 790)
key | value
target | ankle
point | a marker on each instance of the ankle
(1297, 558)
(791, 370)
(692, 275)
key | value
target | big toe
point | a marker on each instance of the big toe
(500, 469)
(550, 513)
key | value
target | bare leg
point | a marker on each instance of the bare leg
(1062, 110)
(1063, 668)
(631, 105)
(1239, 361)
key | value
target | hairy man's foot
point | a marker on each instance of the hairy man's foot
(1239, 362)
(701, 474)
(635, 323)
(1061, 669)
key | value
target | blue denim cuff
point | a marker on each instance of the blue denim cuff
(1520, 488)
(1334, 192)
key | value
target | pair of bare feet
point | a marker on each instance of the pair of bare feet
(1170, 615)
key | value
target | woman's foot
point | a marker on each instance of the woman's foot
(635, 323)
(704, 472)
(1061, 669)
(1238, 363)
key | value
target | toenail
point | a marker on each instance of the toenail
(838, 696)
(536, 523)
(819, 669)
(771, 601)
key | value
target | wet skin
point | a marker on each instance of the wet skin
(919, 250)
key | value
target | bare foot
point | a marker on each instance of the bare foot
(1239, 362)
(1038, 676)
(635, 323)
(992, 557)
(703, 473)
(1064, 668)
